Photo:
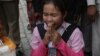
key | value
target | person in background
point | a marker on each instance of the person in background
(93, 12)
(9, 13)
(5, 41)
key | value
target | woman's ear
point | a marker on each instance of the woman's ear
(65, 15)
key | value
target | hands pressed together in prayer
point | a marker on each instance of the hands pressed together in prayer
(51, 35)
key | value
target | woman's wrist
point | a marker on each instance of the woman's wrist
(45, 43)
(57, 43)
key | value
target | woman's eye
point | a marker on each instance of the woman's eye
(54, 15)
(45, 14)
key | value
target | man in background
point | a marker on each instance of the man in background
(93, 11)
(9, 14)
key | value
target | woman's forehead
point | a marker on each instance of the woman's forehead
(50, 8)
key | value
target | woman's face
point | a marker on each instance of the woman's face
(51, 14)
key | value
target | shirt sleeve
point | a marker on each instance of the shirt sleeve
(75, 47)
(38, 47)
(90, 2)
(76, 39)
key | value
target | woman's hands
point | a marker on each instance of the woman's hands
(51, 35)
(47, 34)
(56, 38)
(46, 38)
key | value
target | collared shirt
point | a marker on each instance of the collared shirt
(75, 42)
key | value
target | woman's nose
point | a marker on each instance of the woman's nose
(50, 18)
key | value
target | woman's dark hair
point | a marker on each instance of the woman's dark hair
(37, 5)
(57, 3)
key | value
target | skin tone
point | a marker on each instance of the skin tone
(92, 12)
(53, 18)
